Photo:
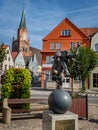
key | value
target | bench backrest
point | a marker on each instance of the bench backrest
(31, 100)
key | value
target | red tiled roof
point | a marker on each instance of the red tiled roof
(27, 53)
(14, 55)
(5, 46)
(89, 31)
(68, 22)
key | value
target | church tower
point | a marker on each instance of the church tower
(22, 42)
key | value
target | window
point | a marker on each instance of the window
(1, 66)
(78, 43)
(49, 60)
(96, 47)
(5, 58)
(67, 80)
(52, 45)
(9, 59)
(72, 45)
(48, 75)
(66, 32)
(95, 80)
(5, 67)
(58, 45)
(7, 51)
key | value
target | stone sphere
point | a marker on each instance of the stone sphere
(59, 101)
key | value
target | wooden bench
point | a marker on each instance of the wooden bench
(33, 101)
(6, 118)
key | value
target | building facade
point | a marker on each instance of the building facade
(22, 42)
(64, 36)
(18, 60)
(94, 74)
(8, 61)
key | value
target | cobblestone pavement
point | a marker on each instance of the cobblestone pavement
(92, 122)
(36, 123)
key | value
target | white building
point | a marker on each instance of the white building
(8, 61)
(94, 74)
(18, 60)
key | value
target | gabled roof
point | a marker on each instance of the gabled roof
(5, 46)
(27, 60)
(23, 21)
(14, 55)
(38, 54)
(89, 31)
(66, 20)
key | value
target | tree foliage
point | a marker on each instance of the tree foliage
(17, 83)
(86, 62)
(2, 53)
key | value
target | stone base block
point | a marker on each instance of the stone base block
(66, 121)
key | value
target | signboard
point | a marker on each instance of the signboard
(65, 125)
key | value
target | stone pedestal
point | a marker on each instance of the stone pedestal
(6, 112)
(66, 121)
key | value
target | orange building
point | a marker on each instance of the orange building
(64, 36)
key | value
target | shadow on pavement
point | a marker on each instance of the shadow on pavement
(94, 121)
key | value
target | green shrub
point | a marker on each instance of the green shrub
(17, 83)
(83, 89)
(77, 95)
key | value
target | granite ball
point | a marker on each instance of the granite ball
(59, 101)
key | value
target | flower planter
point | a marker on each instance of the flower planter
(80, 107)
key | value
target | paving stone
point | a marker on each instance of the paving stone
(36, 123)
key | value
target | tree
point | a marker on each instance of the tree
(2, 53)
(17, 83)
(86, 62)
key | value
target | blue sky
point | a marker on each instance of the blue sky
(43, 15)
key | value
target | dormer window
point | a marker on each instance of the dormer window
(66, 33)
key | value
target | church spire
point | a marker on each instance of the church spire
(23, 21)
